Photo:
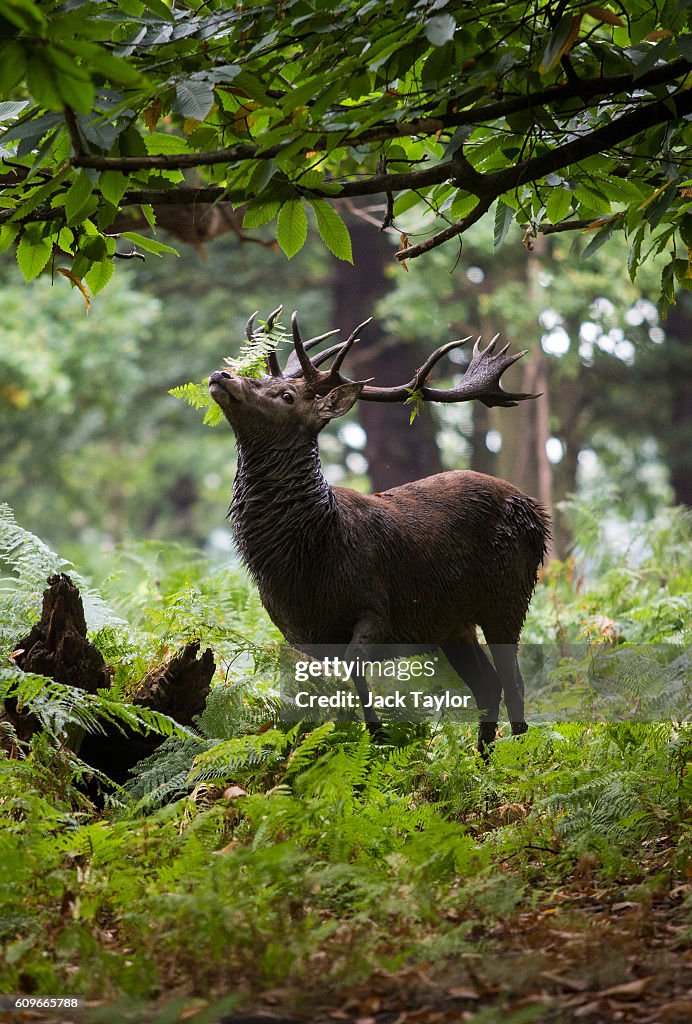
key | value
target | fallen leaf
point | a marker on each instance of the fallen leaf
(574, 985)
(588, 1008)
(628, 988)
(678, 1010)
(463, 993)
(193, 1009)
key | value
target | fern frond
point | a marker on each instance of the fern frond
(251, 361)
(59, 707)
(307, 750)
(32, 562)
(197, 396)
(240, 754)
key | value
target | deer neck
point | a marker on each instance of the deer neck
(281, 503)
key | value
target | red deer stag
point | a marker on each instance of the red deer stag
(423, 564)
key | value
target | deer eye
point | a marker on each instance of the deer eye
(288, 397)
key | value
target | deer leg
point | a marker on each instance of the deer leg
(469, 661)
(507, 665)
(364, 634)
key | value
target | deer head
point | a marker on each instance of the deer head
(301, 398)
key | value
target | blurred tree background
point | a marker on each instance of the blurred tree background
(97, 452)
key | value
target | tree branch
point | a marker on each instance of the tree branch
(622, 128)
(499, 182)
(449, 232)
(74, 133)
(568, 225)
(458, 170)
(422, 126)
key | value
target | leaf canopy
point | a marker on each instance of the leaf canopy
(557, 116)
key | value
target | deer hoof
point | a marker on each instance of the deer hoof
(486, 738)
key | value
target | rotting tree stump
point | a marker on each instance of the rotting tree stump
(57, 647)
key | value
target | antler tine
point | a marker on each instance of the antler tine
(481, 381)
(348, 345)
(311, 342)
(423, 371)
(309, 371)
(271, 318)
(308, 366)
(248, 326)
(333, 350)
(293, 368)
(274, 365)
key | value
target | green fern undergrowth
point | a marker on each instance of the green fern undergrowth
(249, 854)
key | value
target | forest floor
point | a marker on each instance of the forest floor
(584, 954)
(588, 955)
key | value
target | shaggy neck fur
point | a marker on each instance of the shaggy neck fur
(281, 504)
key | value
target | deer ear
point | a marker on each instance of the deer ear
(339, 400)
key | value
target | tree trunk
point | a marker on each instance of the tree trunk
(396, 452)
(532, 471)
(676, 442)
(57, 647)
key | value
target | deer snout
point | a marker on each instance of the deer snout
(224, 386)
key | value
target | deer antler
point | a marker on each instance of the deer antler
(480, 381)
(300, 364)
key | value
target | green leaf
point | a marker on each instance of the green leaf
(194, 98)
(159, 8)
(561, 40)
(406, 201)
(33, 252)
(683, 273)
(149, 244)
(558, 204)
(197, 396)
(592, 198)
(99, 275)
(440, 29)
(634, 258)
(685, 229)
(43, 85)
(8, 233)
(25, 14)
(462, 206)
(599, 239)
(77, 197)
(292, 227)
(113, 185)
(504, 215)
(333, 231)
(162, 142)
(259, 213)
(12, 65)
(94, 56)
(71, 82)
